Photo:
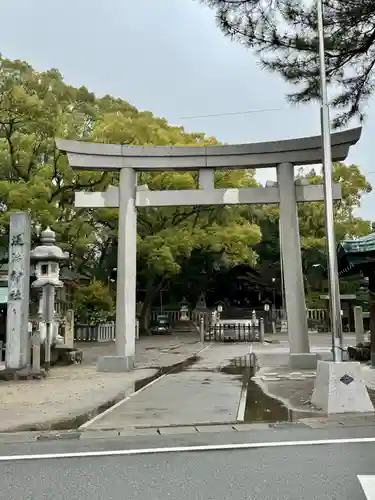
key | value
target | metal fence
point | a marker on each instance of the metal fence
(104, 332)
(317, 319)
(174, 315)
(231, 332)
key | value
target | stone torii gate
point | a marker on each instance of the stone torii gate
(128, 160)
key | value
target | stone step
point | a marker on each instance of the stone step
(185, 327)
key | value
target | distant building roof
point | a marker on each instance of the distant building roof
(356, 255)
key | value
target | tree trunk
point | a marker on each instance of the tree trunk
(144, 318)
(371, 289)
(145, 314)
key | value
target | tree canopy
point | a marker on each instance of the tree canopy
(35, 108)
(284, 35)
(179, 248)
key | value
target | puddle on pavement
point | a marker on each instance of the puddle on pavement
(263, 408)
(243, 365)
(77, 421)
(259, 406)
(371, 393)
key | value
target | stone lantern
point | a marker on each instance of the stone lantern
(201, 305)
(46, 259)
(184, 310)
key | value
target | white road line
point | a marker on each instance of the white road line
(242, 404)
(184, 449)
(368, 486)
(243, 396)
(119, 403)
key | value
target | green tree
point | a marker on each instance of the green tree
(284, 35)
(93, 302)
(354, 186)
(169, 237)
(312, 232)
(36, 107)
(34, 177)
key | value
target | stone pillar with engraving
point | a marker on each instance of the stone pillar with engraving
(18, 345)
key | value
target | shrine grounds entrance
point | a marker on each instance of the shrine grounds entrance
(128, 160)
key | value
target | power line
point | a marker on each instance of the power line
(233, 113)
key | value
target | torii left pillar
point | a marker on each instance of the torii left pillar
(126, 278)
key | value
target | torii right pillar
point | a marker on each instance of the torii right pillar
(300, 356)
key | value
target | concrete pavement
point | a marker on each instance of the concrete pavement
(205, 395)
(290, 464)
(201, 394)
(72, 394)
(294, 388)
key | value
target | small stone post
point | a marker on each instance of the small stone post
(261, 330)
(358, 325)
(35, 342)
(254, 319)
(69, 329)
(201, 329)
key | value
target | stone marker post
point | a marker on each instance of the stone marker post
(69, 329)
(358, 325)
(18, 347)
(35, 341)
(201, 329)
(261, 330)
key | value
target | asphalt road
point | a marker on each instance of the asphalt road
(300, 472)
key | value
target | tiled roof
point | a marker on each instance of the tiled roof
(356, 254)
(359, 245)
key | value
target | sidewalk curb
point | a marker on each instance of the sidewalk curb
(87, 424)
(229, 428)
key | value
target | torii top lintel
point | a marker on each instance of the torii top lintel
(113, 157)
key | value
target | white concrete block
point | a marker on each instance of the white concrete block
(340, 388)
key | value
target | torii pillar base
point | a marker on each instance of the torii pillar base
(340, 388)
(304, 361)
(115, 364)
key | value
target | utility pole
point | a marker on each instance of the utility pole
(334, 288)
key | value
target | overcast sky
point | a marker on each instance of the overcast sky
(169, 57)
